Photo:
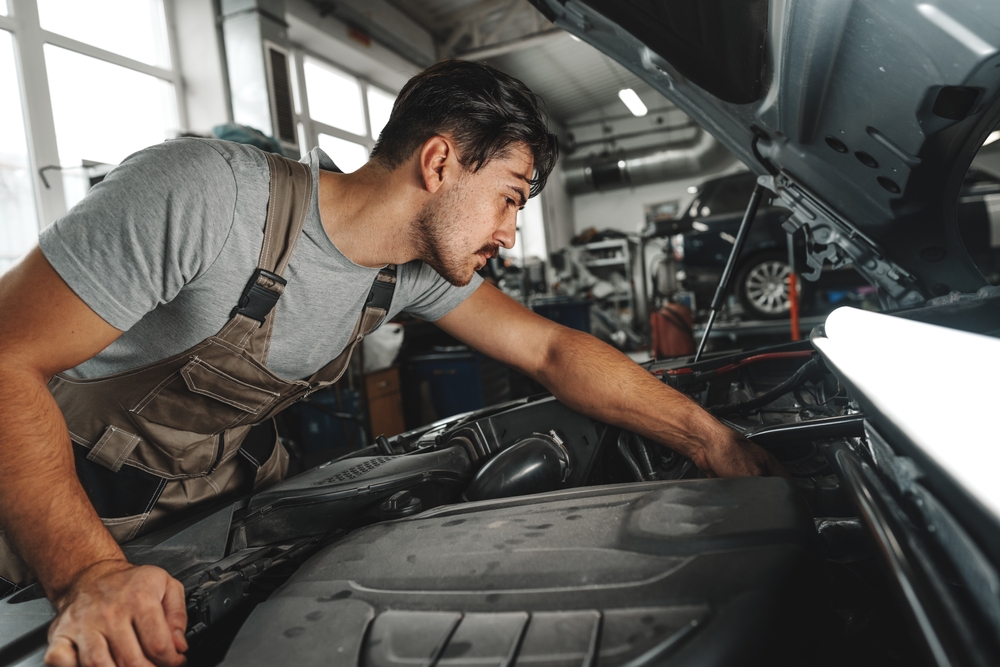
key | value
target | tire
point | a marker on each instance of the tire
(762, 286)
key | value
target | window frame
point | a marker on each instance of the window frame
(311, 128)
(36, 103)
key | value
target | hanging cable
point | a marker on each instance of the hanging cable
(795, 380)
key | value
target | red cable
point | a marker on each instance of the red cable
(793, 305)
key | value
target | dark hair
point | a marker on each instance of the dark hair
(485, 111)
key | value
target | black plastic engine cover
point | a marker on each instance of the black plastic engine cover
(700, 572)
(321, 499)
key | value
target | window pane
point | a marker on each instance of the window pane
(3, 8)
(334, 97)
(379, 109)
(347, 155)
(18, 220)
(104, 112)
(132, 28)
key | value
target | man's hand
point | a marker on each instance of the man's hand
(735, 456)
(115, 613)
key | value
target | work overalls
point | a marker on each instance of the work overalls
(176, 434)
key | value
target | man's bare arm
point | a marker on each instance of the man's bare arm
(44, 511)
(595, 379)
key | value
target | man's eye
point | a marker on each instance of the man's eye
(510, 202)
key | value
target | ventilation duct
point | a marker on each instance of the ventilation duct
(642, 166)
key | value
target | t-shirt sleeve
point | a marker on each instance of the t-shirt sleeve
(156, 223)
(429, 296)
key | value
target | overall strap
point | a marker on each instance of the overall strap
(290, 194)
(372, 315)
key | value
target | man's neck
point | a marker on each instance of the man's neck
(368, 214)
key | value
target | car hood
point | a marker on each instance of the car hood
(862, 116)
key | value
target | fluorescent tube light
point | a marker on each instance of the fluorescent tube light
(632, 101)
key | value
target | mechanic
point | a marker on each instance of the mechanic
(139, 372)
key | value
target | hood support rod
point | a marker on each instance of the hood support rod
(727, 274)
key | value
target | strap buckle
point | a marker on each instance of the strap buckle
(380, 295)
(257, 301)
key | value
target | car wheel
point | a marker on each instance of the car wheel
(762, 286)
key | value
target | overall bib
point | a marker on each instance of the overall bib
(176, 434)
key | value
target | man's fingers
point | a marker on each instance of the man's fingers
(174, 605)
(157, 640)
(92, 650)
(126, 650)
(61, 653)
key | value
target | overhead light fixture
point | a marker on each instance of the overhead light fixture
(632, 101)
(994, 135)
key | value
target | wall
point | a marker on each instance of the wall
(624, 209)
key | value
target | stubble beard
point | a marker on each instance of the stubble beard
(436, 229)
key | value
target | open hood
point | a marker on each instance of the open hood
(861, 115)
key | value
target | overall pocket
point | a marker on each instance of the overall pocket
(202, 398)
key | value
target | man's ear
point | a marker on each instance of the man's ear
(437, 157)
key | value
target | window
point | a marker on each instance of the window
(334, 97)
(97, 81)
(18, 220)
(339, 112)
(379, 109)
(135, 29)
(347, 155)
(103, 113)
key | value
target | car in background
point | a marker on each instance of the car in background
(701, 241)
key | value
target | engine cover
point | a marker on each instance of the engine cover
(706, 572)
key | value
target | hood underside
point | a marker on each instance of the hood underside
(863, 114)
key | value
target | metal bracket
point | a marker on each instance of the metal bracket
(830, 239)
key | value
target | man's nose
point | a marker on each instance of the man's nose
(506, 233)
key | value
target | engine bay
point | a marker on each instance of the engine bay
(528, 534)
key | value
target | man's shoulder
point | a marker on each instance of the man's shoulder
(193, 152)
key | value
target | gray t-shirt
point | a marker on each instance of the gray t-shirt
(163, 248)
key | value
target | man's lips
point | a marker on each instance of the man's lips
(487, 252)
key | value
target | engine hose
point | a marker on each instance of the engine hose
(629, 458)
(644, 457)
(795, 380)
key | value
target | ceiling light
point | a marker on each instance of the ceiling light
(632, 101)
(575, 38)
(994, 135)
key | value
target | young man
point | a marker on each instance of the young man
(139, 367)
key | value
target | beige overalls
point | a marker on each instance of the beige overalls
(162, 440)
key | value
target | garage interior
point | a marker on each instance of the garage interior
(640, 238)
(602, 249)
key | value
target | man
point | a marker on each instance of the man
(131, 387)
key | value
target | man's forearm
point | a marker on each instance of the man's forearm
(44, 511)
(594, 378)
